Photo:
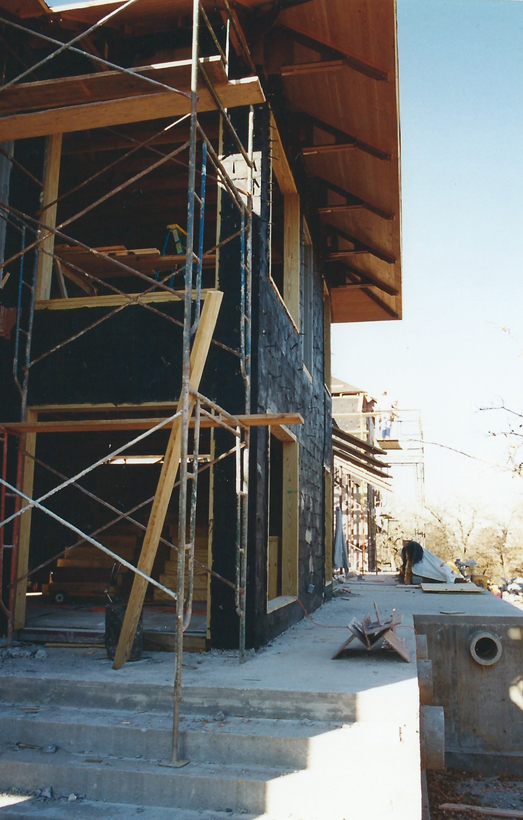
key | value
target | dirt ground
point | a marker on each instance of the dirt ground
(457, 787)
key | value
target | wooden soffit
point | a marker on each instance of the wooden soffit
(338, 66)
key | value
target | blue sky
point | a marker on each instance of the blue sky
(461, 98)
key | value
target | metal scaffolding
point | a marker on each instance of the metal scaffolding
(37, 235)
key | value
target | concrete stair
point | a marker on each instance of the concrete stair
(110, 743)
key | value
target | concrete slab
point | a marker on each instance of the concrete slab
(294, 678)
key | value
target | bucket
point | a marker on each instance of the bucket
(114, 617)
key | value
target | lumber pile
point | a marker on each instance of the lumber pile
(169, 576)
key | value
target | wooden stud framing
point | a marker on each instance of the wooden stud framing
(291, 518)
(166, 482)
(48, 217)
(280, 163)
(29, 445)
(329, 503)
(291, 256)
(272, 567)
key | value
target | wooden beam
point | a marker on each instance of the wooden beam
(104, 85)
(278, 421)
(114, 300)
(297, 69)
(281, 432)
(24, 537)
(107, 263)
(152, 106)
(360, 247)
(354, 199)
(370, 278)
(328, 50)
(383, 305)
(48, 215)
(292, 255)
(291, 518)
(329, 524)
(341, 209)
(202, 342)
(327, 148)
(342, 136)
(280, 163)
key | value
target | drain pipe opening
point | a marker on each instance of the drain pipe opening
(485, 648)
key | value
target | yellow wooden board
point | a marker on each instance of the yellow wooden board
(452, 588)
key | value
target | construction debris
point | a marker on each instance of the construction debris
(377, 634)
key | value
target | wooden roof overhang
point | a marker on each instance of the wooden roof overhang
(360, 459)
(341, 75)
(336, 65)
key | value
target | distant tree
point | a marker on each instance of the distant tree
(449, 534)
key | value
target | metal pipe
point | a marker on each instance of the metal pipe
(28, 339)
(225, 115)
(14, 551)
(192, 517)
(185, 400)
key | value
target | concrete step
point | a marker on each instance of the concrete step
(314, 794)
(29, 807)
(143, 782)
(258, 742)
(206, 700)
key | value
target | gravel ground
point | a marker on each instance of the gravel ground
(457, 787)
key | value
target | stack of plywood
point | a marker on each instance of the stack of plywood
(169, 577)
(85, 570)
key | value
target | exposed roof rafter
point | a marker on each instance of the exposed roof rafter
(359, 247)
(368, 278)
(351, 199)
(329, 52)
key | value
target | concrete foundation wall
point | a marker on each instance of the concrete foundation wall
(483, 696)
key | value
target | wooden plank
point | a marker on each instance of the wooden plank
(280, 432)
(106, 425)
(272, 567)
(246, 91)
(484, 810)
(105, 85)
(48, 217)
(114, 300)
(280, 163)
(467, 587)
(397, 644)
(166, 482)
(291, 518)
(103, 267)
(29, 445)
(292, 255)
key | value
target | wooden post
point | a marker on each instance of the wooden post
(49, 207)
(29, 444)
(291, 519)
(166, 482)
(291, 256)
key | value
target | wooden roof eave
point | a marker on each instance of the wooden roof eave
(367, 166)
